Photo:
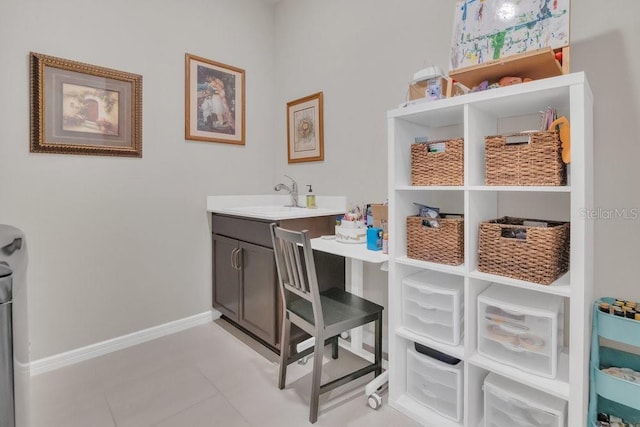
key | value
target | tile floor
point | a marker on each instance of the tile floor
(204, 376)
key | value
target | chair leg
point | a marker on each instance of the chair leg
(378, 345)
(284, 350)
(316, 378)
(334, 347)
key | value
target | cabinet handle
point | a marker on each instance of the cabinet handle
(239, 258)
(233, 258)
(236, 260)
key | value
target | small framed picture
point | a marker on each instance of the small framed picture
(305, 134)
(78, 108)
(214, 101)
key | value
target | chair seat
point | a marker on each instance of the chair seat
(337, 306)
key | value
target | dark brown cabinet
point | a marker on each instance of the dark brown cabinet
(245, 283)
(244, 277)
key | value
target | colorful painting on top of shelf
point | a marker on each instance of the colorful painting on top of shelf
(487, 30)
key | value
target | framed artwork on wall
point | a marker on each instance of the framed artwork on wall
(305, 134)
(77, 108)
(214, 101)
(485, 31)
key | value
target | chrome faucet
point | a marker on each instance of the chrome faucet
(293, 191)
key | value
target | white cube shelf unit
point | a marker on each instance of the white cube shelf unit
(473, 117)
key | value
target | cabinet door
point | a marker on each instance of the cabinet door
(259, 292)
(226, 278)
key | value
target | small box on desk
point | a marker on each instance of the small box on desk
(380, 214)
(374, 239)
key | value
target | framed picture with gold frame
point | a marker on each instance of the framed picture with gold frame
(214, 101)
(77, 108)
(305, 134)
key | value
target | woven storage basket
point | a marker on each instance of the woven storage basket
(444, 168)
(541, 257)
(536, 162)
(444, 244)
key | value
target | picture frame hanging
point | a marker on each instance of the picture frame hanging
(214, 101)
(305, 129)
(78, 108)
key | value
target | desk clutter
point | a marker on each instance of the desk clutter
(366, 224)
(351, 228)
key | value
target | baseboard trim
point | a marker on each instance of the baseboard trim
(81, 354)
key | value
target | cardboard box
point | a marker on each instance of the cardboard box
(417, 89)
(380, 213)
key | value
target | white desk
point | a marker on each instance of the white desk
(357, 254)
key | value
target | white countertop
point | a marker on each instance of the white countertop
(357, 251)
(273, 206)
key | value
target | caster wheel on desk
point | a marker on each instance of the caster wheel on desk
(374, 401)
(345, 335)
(303, 360)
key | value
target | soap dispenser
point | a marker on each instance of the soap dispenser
(311, 199)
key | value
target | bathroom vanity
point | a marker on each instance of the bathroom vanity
(245, 280)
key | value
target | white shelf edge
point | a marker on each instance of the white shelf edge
(522, 188)
(457, 351)
(559, 287)
(430, 188)
(500, 188)
(558, 387)
(420, 413)
(478, 97)
(451, 269)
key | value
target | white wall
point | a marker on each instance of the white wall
(363, 53)
(117, 245)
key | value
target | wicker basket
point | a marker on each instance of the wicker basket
(444, 244)
(438, 168)
(542, 256)
(536, 161)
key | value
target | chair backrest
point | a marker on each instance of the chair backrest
(296, 269)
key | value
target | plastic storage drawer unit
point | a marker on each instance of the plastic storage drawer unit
(433, 306)
(521, 328)
(435, 384)
(508, 403)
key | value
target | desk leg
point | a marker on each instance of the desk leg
(355, 279)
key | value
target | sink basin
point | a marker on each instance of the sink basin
(273, 207)
(278, 212)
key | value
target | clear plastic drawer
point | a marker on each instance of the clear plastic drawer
(435, 384)
(508, 403)
(521, 328)
(433, 306)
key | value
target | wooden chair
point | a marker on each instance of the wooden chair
(323, 315)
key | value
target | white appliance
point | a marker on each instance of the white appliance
(14, 330)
